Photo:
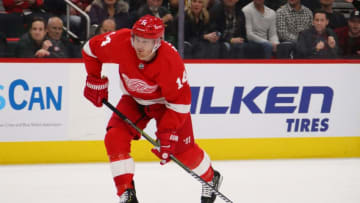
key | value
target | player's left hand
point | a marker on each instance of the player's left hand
(168, 142)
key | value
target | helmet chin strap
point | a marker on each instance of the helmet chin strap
(157, 45)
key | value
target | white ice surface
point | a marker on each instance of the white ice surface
(254, 181)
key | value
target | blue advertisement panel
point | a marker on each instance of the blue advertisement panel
(275, 100)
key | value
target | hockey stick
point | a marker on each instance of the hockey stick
(153, 142)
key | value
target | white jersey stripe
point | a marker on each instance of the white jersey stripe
(122, 167)
(203, 166)
(150, 101)
(181, 108)
(87, 50)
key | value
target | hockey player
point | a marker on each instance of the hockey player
(154, 84)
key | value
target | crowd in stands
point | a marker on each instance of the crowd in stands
(213, 29)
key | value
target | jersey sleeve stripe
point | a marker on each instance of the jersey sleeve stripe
(87, 50)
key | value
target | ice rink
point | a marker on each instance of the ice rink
(251, 181)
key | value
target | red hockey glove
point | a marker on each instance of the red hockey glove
(96, 89)
(168, 142)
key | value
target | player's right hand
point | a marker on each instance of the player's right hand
(96, 89)
(168, 142)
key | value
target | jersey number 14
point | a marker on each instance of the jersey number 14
(182, 81)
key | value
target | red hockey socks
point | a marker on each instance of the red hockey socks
(122, 168)
(198, 161)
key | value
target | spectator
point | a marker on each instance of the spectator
(155, 8)
(29, 45)
(56, 44)
(349, 37)
(261, 26)
(116, 9)
(336, 19)
(200, 40)
(230, 24)
(291, 19)
(58, 8)
(107, 25)
(319, 41)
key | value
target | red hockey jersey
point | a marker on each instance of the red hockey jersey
(160, 81)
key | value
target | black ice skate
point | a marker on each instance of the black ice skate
(207, 195)
(129, 196)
